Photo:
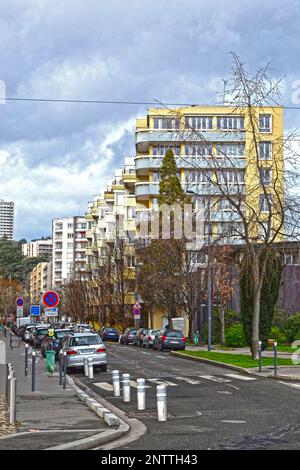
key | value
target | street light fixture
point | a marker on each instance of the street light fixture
(209, 299)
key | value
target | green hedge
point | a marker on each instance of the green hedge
(234, 336)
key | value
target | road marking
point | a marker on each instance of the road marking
(233, 421)
(105, 386)
(134, 384)
(162, 382)
(225, 392)
(189, 381)
(297, 386)
(143, 352)
(232, 386)
(162, 357)
(214, 379)
(240, 377)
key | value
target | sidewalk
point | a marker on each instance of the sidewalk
(283, 355)
(50, 416)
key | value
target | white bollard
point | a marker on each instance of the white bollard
(12, 401)
(90, 368)
(116, 383)
(141, 394)
(126, 387)
(86, 367)
(161, 397)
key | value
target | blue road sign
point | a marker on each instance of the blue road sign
(35, 310)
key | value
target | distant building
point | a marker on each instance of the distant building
(7, 219)
(37, 248)
(69, 249)
(40, 281)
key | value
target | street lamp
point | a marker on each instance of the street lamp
(209, 302)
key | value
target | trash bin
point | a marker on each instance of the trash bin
(50, 361)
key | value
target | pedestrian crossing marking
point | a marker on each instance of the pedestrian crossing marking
(134, 384)
(162, 382)
(214, 378)
(188, 380)
(240, 377)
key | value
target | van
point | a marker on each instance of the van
(22, 321)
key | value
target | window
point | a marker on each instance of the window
(194, 176)
(265, 175)
(70, 235)
(199, 122)
(156, 176)
(264, 202)
(102, 213)
(289, 258)
(233, 177)
(265, 123)
(70, 225)
(166, 123)
(230, 150)
(265, 150)
(70, 246)
(230, 122)
(198, 149)
(131, 213)
(162, 149)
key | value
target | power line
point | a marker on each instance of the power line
(121, 102)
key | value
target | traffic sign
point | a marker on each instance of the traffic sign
(19, 312)
(51, 312)
(51, 298)
(35, 310)
(20, 301)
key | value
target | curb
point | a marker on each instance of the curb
(97, 439)
(237, 368)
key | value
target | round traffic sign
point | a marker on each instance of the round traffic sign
(51, 298)
(20, 301)
(136, 311)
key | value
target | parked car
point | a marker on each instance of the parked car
(169, 339)
(127, 336)
(37, 335)
(139, 336)
(79, 346)
(109, 334)
(26, 333)
(54, 343)
(149, 338)
(82, 328)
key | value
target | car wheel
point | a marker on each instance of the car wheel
(104, 368)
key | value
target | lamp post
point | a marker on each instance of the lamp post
(209, 297)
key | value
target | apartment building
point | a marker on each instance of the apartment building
(40, 281)
(111, 222)
(68, 249)
(37, 248)
(7, 219)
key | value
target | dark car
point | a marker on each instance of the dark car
(37, 336)
(127, 336)
(169, 339)
(109, 334)
(54, 343)
(139, 337)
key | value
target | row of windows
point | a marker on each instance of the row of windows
(206, 122)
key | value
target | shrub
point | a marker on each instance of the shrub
(292, 328)
(235, 337)
(277, 334)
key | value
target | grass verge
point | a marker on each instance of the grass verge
(241, 360)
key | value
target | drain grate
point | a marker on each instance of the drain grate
(145, 414)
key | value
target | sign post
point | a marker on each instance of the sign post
(137, 315)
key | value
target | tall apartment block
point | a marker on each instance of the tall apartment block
(68, 249)
(7, 219)
(40, 281)
(37, 248)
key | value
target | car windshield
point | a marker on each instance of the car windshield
(85, 341)
(154, 332)
(132, 332)
(42, 331)
(61, 334)
(111, 330)
(174, 334)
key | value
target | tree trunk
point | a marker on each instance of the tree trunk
(259, 274)
(222, 322)
(151, 317)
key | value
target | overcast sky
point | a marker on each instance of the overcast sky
(55, 157)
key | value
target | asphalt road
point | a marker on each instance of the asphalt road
(208, 407)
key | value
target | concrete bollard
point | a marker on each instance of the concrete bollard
(90, 368)
(275, 358)
(11, 375)
(11, 339)
(12, 401)
(126, 387)
(116, 383)
(141, 394)
(161, 397)
(86, 367)
(33, 371)
(26, 359)
(65, 370)
(259, 357)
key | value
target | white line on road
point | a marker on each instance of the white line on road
(240, 377)
(162, 357)
(189, 381)
(143, 352)
(134, 384)
(297, 386)
(233, 421)
(162, 382)
(213, 378)
(105, 386)
(225, 392)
